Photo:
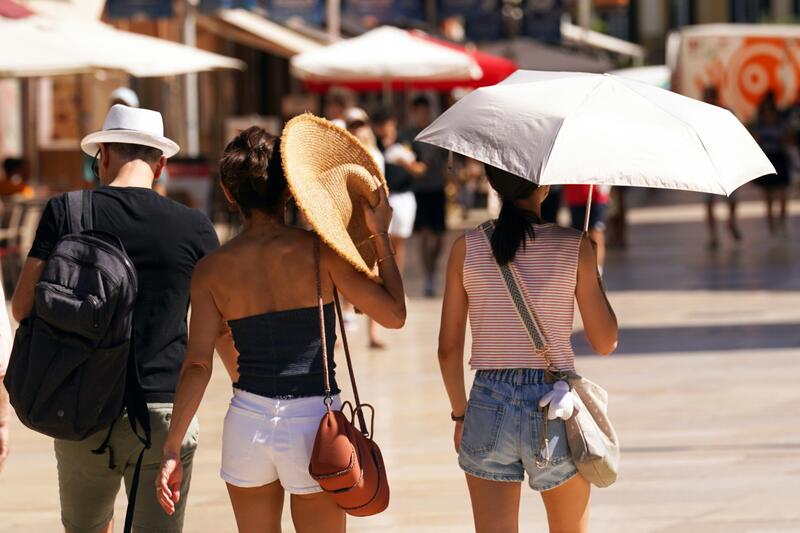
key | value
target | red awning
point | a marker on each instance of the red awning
(12, 10)
(495, 69)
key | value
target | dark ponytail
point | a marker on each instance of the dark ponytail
(514, 225)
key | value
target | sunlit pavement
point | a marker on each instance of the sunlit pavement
(704, 394)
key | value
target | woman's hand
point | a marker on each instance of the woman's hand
(459, 430)
(168, 482)
(378, 217)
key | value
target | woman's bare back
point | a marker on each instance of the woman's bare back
(264, 269)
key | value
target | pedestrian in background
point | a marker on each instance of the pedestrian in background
(401, 169)
(429, 190)
(773, 137)
(497, 431)
(576, 197)
(268, 283)
(358, 123)
(15, 178)
(711, 96)
(337, 101)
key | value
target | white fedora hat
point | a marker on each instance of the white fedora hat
(132, 126)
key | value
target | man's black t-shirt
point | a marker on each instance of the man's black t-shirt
(164, 239)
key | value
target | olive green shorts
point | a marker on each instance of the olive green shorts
(88, 487)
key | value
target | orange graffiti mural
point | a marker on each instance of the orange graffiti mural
(756, 66)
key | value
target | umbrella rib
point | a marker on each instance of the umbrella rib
(691, 128)
(545, 159)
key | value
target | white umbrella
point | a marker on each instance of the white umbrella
(384, 54)
(41, 46)
(599, 129)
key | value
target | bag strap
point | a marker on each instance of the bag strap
(80, 214)
(322, 330)
(526, 314)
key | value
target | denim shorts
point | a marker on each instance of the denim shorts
(503, 428)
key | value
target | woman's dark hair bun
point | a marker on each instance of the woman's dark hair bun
(251, 169)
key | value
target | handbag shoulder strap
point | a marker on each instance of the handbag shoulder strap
(526, 314)
(326, 372)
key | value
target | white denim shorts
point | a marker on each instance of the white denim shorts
(404, 207)
(267, 439)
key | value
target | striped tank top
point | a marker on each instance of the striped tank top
(547, 268)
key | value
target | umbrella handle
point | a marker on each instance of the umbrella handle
(588, 209)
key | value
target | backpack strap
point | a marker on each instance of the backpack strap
(80, 215)
(138, 415)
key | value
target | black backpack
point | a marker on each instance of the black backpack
(73, 367)
(67, 373)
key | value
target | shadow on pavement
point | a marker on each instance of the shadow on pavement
(699, 339)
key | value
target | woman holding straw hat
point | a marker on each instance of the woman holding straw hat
(264, 284)
(501, 433)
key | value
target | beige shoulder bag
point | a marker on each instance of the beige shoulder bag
(592, 440)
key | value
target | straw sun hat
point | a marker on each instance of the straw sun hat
(329, 171)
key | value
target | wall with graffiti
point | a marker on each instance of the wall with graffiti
(742, 68)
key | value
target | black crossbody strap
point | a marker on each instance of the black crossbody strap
(526, 314)
(138, 415)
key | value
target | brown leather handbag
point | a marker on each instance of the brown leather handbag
(345, 460)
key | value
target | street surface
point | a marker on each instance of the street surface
(704, 394)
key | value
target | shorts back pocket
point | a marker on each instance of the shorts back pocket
(482, 424)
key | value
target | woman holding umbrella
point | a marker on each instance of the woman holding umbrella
(497, 431)
(554, 128)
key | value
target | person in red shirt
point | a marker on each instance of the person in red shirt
(575, 196)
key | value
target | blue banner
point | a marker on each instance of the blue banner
(210, 6)
(123, 9)
(483, 19)
(383, 11)
(311, 11)
(543, 20)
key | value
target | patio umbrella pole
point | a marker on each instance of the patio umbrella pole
(387, 92)
(588, 209)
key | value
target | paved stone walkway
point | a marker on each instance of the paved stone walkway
(704, 394)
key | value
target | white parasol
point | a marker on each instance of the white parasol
(42, 46)
(598, 129)
(384, 54)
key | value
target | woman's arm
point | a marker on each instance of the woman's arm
(227, 351)
(451, 334)
(195, 374)
(386, 304)
(599, 320)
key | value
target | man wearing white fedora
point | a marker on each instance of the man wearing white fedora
(164, 241)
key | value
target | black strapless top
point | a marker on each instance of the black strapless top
(280, 353)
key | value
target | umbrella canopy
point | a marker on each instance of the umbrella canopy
(85, 45)
(383, 55)
(565, 128)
